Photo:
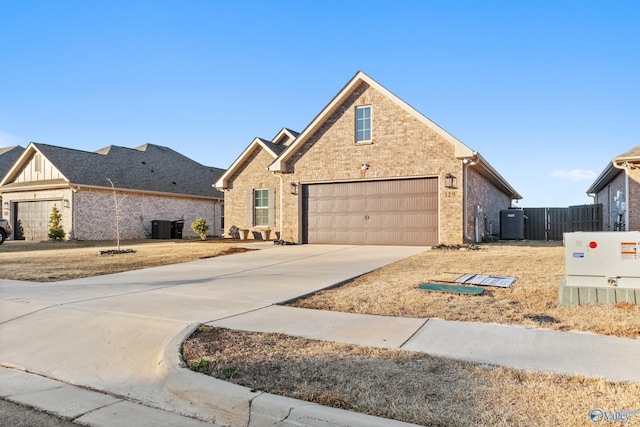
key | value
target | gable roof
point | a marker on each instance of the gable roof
(273, 149)
(148, 168)
(285, 137)
(462, 152)
(8, 157)
(629, 159)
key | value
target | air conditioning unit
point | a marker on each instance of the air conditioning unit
(603, 259)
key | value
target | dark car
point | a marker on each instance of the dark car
(5, 230)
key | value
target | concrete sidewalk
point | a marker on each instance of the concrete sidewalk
(85, 333)
(570, 353)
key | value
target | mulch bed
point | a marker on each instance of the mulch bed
(117, 251)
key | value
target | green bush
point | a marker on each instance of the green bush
(201, 365)
(56, 232)
(200, 227)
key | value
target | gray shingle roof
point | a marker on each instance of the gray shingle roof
(8, 157)
(146, 168)
(275, 148)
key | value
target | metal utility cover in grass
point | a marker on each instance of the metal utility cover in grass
(483, 280)
(437, 287)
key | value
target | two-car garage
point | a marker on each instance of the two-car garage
(385, 212)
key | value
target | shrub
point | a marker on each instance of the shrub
(200, 227)
(56, 232)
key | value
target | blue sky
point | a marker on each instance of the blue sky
(547, 91)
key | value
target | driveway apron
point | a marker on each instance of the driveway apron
(110, 332)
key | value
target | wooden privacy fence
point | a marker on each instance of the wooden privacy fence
(551, 223)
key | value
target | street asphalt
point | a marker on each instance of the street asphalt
(104, 351)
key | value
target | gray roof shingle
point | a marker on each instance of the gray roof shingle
(146, 168)
(8, 157)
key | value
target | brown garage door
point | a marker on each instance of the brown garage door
(31, 219)
(395, 212)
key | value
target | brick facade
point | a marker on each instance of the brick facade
(252, 175)
(606, 197)
(622, 175)
(490, 201)
(89, 214)
(402, 147)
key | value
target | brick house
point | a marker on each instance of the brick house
(151, 182)
(8, 156)
(369, 169)
(617, 188)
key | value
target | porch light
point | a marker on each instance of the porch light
(66, 203)
(451, 180)
(293, 188)
(6, 205)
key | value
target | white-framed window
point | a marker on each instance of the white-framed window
(261, 207)
(363, 124)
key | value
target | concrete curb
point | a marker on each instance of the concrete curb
(228, 404)
(75, 404)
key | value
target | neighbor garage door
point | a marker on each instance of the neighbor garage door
(32, 219)
(394, 212)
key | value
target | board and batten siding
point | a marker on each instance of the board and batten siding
(38, 169)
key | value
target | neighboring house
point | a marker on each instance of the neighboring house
(369, 169)
(8, 157)
(618, 190)
(151, 183)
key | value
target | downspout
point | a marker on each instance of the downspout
(279, 175)
(466, 162)
(74, 234)
(625, 167)
(215, 229)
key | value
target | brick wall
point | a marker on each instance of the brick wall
(606, 198)
(482, 193)
(252, 175)
(402, 146)
(94, 212)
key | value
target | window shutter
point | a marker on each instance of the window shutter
(249, 197)
(272, 207)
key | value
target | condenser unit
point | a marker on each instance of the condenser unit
(603, 259)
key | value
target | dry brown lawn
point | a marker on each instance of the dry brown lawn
(402, 385)
(53, 261)
(531, 301)
(395, 384)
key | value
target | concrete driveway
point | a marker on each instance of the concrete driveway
(115, 333)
